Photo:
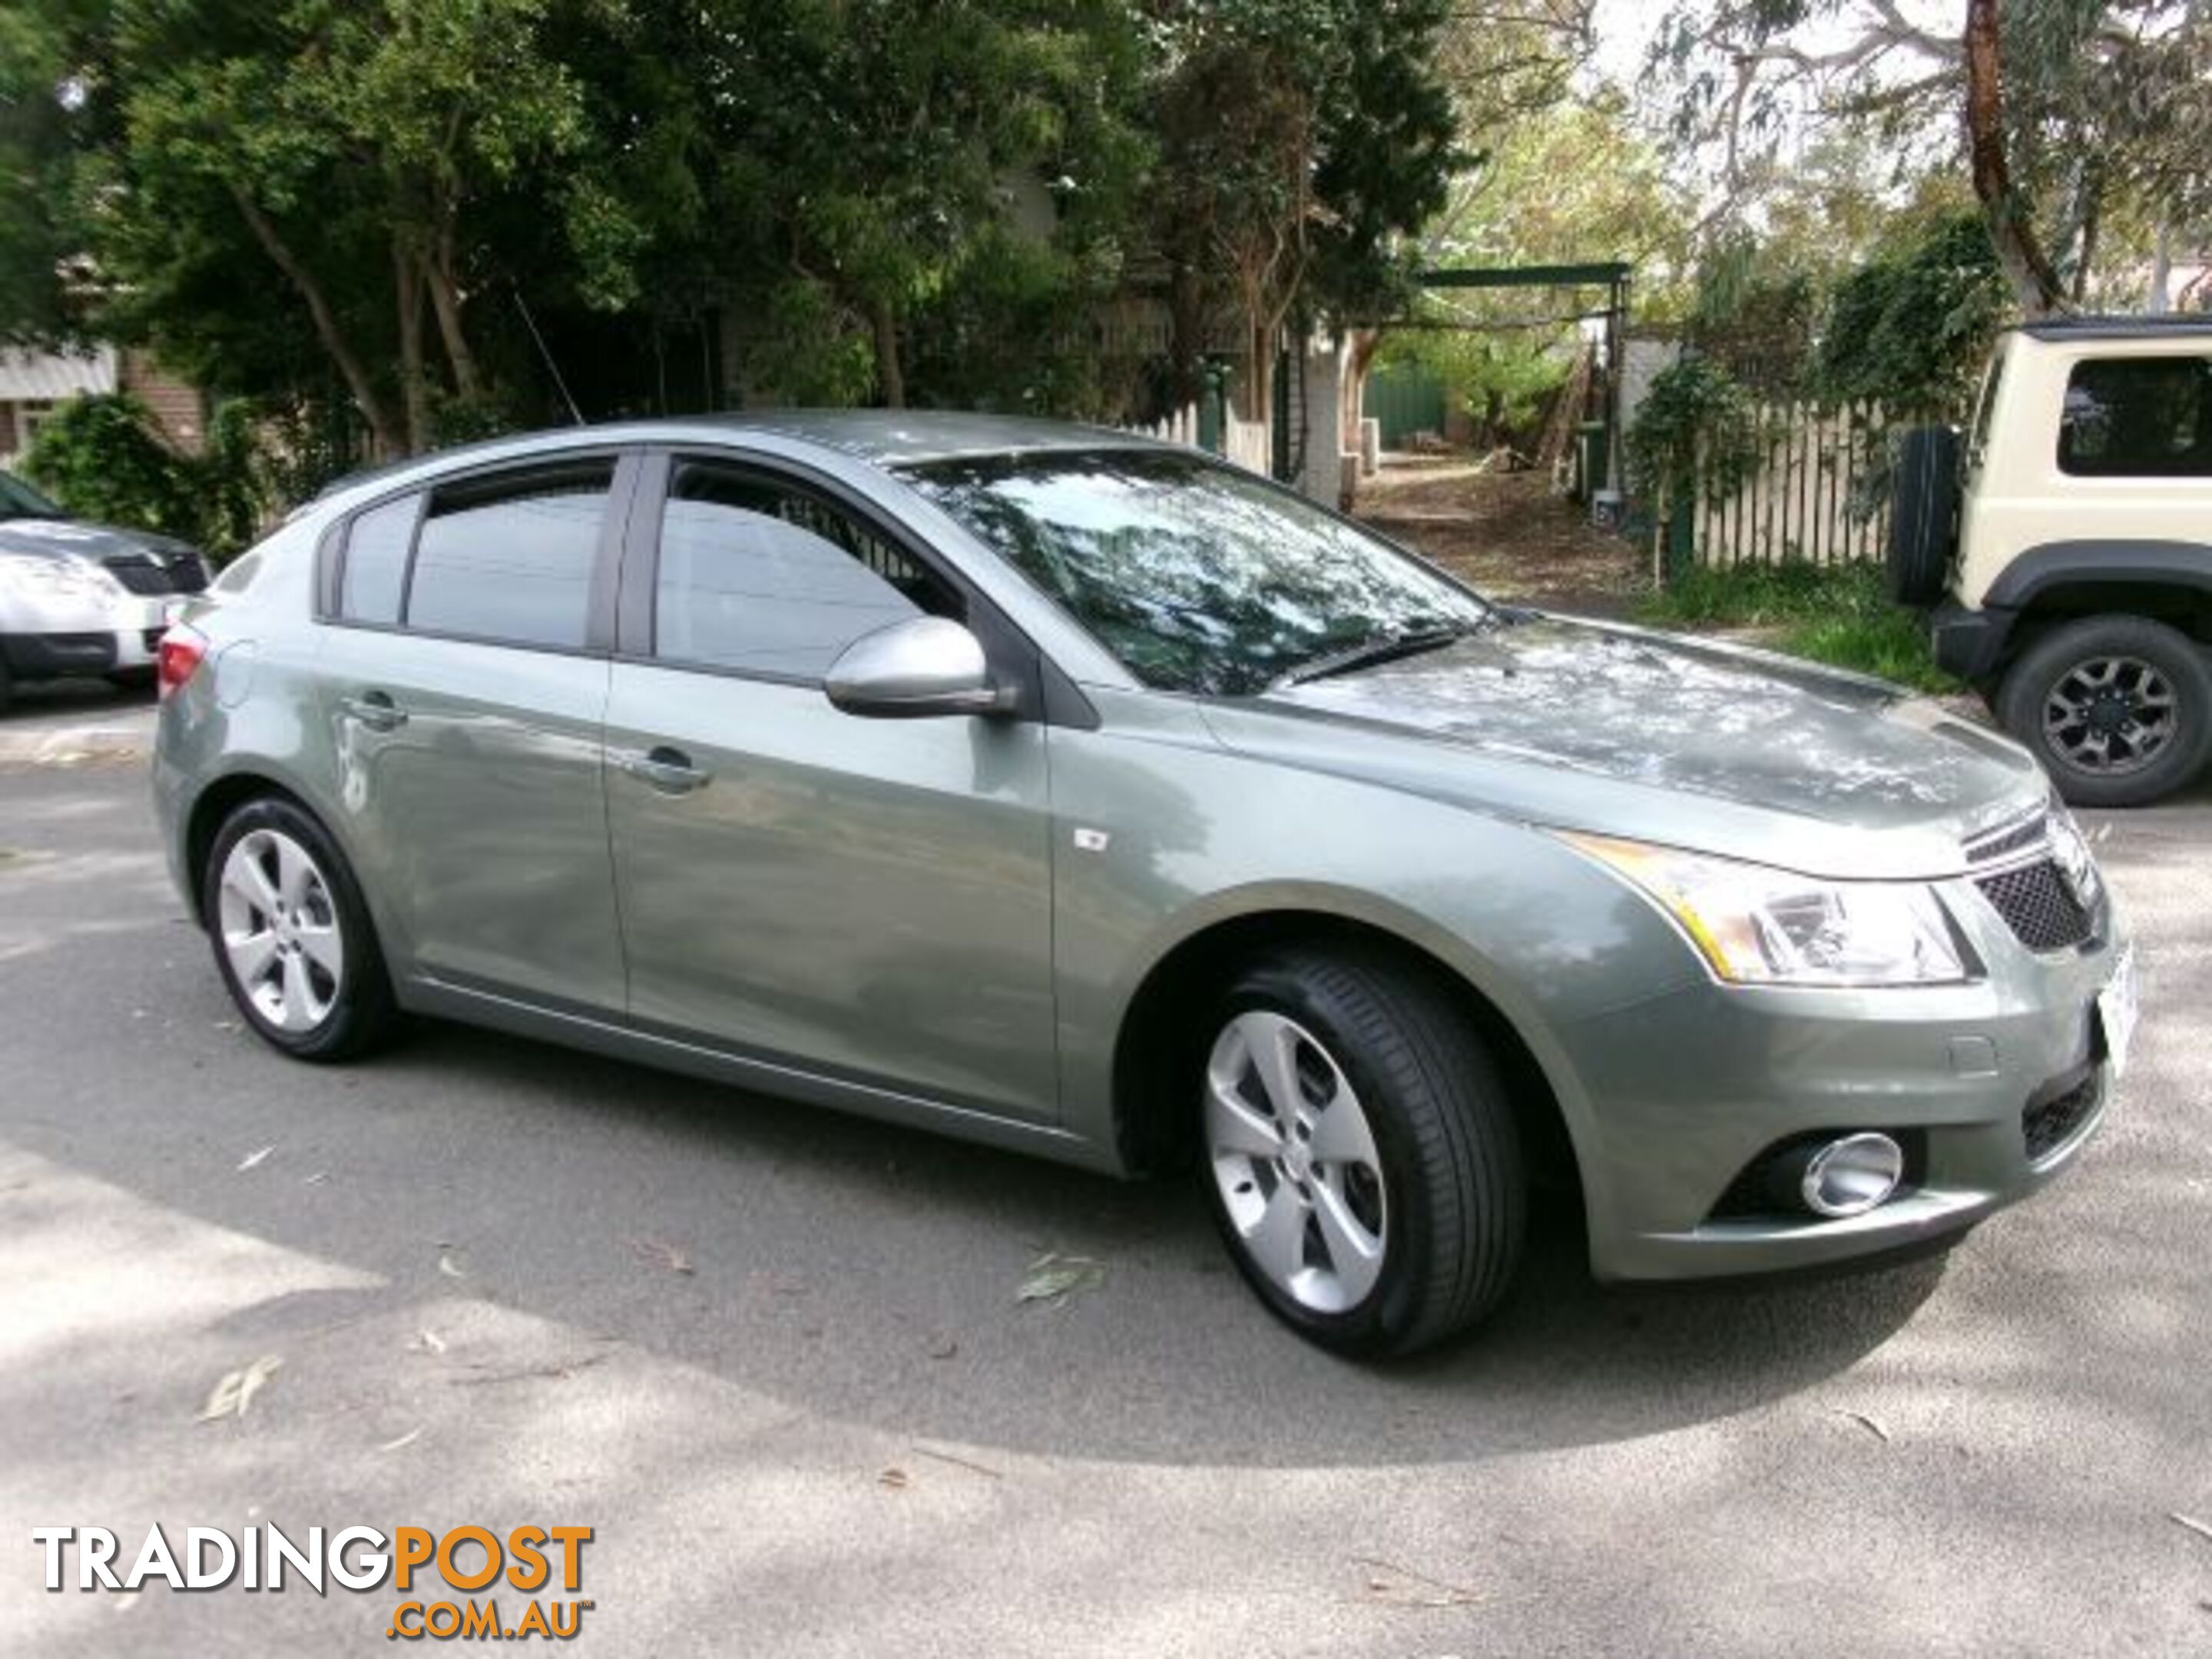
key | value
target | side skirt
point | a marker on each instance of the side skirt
(785, 1081)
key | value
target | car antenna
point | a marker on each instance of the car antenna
(551, 368)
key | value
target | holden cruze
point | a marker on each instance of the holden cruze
(1085, 795)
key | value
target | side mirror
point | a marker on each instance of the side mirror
(923, 666)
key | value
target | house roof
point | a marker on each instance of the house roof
(48, 376)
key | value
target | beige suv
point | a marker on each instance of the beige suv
(2068, 539)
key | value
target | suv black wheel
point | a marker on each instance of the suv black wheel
(2117, 708)
(292, 938)
(1361, 1157)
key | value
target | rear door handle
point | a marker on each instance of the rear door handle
(668, 771)
(375, 710)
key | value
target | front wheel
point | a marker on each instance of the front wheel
(1362, 1159)
(2117, 708)
(292, 938)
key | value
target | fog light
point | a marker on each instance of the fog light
(1851, 1176)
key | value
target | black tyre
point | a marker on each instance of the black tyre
(2117, 708)
(1923, 519)
(1359, 1153)
(292, 938)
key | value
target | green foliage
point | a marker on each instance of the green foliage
(1754, 314)
(1911, 328)
(1835, 614)
(100, 458)
(1502, 380)
(1697, 431)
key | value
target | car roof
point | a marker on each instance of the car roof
(880, 437)
(2117, 328)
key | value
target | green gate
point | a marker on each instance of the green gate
(1405, 400)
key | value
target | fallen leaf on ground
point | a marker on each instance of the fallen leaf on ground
(427, 1342)
(252, 1158)
(1401, 1587)
(406, 1439)
(895, 1478)
(943, 1349)
(316, 1179)
(659, 1255)
(1868, 1423)
(1054, 1278)
(234, 1394)
(2202, 1529)
(449, 1267)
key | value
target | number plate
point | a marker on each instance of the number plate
(2115, 1009)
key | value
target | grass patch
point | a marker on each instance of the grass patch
(1834, 614)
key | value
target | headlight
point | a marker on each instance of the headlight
(1756, 925)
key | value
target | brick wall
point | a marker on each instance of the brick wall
(178, 408)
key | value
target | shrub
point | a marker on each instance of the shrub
(102, 457)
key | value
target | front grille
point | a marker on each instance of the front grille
(2046, 1125)
(2038, 905)
(139, 575)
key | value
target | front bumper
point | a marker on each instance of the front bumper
(54, 656)
(1969, 644)
(1992, 1087)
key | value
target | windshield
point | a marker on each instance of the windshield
(1197, 576)
(19, 500)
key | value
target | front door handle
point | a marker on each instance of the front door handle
(668, 771)
(375, 710)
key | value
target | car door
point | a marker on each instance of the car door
(868, 898)
(466, 678)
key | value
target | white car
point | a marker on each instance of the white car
(80, 599)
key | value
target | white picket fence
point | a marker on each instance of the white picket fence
(1806, 499)
(1247, 443)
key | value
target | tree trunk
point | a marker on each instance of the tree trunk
(446, 300)
(414, 389)
(1185, 334)
(1352, 389)
(1258, 401)
(384, 433)
(2027, 268)
(891, 377)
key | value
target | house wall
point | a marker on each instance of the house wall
(178, 409)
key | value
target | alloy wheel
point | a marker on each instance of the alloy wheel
(2109, 715)
(280, 930)
(1293, 1155)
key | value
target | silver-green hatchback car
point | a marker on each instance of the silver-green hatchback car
(1084, 795)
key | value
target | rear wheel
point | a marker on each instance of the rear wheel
(1361, 1157)
(2117, 708)
(292, 938)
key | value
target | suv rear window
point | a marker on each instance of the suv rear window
(2138, 417)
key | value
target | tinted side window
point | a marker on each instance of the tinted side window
(375, 566)
(510, 558)
(2145, 417)
(756, 576)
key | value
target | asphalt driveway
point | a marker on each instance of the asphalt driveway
(778, 1360)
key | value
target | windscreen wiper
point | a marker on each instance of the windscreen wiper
(1376, 649)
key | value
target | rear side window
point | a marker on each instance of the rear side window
(375, 567)
(758, 576)
(2138, 417)
(510, 558)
